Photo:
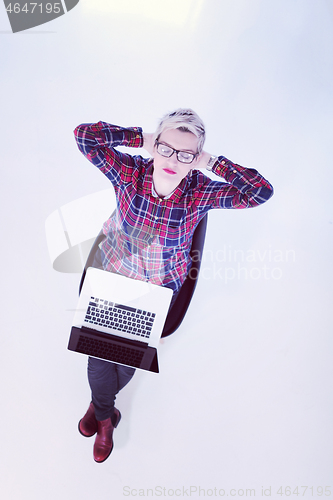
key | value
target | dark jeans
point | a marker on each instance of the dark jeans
(106, 379)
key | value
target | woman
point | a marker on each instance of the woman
(160, 201)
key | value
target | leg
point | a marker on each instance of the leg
(106, 380)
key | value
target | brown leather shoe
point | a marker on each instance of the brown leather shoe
(104, 442)
(88, 424)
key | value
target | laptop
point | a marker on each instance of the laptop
(120, 319)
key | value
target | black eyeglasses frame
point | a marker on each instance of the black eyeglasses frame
(175, 151)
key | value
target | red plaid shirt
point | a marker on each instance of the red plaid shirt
(149, 238)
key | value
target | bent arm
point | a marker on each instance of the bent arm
(248, 188)
(97, 142)
(244, 187)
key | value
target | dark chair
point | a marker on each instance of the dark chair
(178, 310)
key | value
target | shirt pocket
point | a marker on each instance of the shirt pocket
(175, 234)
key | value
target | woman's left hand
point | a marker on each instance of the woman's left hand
(203, 160)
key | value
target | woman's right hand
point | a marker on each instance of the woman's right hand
(148, 143)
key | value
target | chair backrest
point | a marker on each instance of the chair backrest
(178, 310)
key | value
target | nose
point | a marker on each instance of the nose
(172, 160)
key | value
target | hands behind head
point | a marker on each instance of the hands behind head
(148, 143)
(202, 160)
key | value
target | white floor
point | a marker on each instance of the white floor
(244, 398)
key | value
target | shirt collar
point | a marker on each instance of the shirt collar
(153, 192)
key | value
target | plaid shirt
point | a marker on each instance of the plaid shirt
(149, 238)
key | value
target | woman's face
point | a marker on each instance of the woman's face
(168, 172)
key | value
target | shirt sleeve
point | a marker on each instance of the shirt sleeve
(244, 187)
(97, 142)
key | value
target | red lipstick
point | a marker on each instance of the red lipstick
(168, 171)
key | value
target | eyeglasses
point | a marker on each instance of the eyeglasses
(167, 151)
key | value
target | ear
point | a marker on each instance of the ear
(197, 159)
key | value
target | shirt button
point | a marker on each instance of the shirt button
(234, 171)
(223, 162)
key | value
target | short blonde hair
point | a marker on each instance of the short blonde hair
(185, 120)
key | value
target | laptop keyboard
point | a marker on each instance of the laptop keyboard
(127, 319)
(109, 351)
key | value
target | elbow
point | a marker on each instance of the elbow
(270, 192)
(265, 194)
(260, 197)
(82, 140)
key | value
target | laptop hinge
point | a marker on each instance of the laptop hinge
(110, 336)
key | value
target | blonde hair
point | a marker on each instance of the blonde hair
(185, 120)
